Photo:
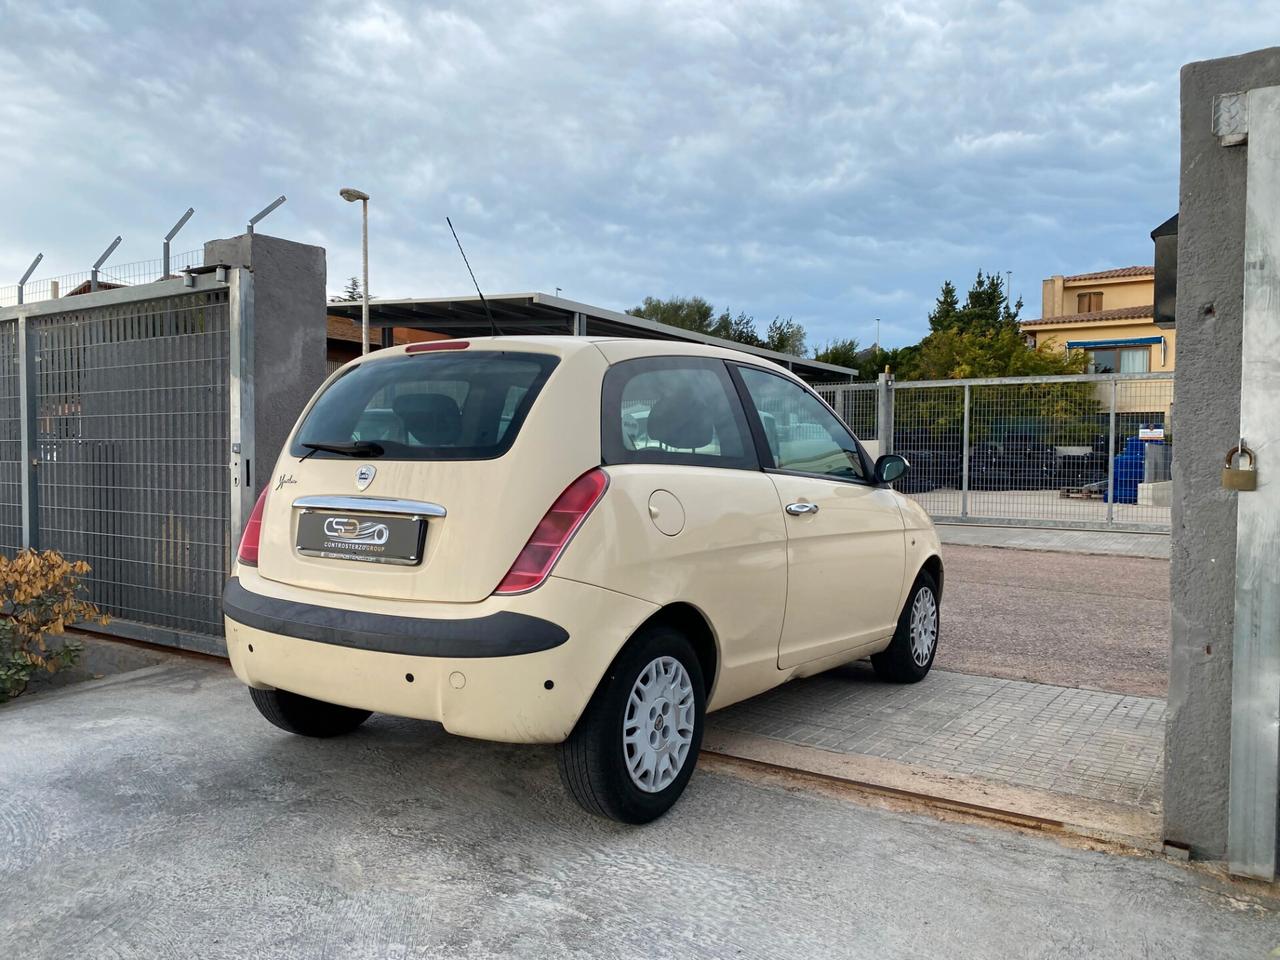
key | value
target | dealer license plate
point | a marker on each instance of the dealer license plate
(366, 537)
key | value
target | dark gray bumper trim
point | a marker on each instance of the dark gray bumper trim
(502, 634)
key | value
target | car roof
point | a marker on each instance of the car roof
(614, 349)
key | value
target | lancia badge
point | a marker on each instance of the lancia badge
(364, 476)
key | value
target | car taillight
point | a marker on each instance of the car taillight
(553, 532)
(248, 552)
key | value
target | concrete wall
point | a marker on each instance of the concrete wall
(289, 333)
(1207, 401)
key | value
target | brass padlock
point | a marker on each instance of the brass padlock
(1241, 477)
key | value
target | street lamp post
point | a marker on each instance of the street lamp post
(351, 195)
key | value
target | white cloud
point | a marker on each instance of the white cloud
(828, 161)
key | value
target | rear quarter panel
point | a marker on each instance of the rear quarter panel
(728, 560)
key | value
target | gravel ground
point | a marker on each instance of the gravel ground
(1070, 619)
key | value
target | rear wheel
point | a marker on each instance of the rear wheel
(910, 654)
(304, 716)
(635, 747)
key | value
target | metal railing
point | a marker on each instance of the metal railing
(118, 418)
(109, 277)
(1088, 451)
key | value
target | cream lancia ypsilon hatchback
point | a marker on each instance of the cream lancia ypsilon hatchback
(578, 541)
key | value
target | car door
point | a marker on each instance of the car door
(692, 518)
(845, 534)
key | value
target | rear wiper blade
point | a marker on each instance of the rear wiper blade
(360, 448)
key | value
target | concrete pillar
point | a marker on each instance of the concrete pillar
(1207, 398)
(288, 333)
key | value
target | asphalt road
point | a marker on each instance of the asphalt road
(1071, 619)
(155, 815)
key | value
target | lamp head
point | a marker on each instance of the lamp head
(351, 194)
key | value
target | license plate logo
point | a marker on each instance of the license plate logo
(350, 530)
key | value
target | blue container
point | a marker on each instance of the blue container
(1129, 468)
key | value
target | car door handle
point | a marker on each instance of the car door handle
(801, 509)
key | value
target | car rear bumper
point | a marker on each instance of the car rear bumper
(518, 669)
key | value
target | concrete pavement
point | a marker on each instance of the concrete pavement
(156, 815)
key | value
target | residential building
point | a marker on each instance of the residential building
(1107, 314)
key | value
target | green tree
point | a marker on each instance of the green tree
(843, 353)
(944, 312)
(980, 338)
(785, 336)
(689, 313)
(898, 361)
(697, 314)
(350, 293)
(741, 328)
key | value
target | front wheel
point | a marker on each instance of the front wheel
(635, 747)
(910, 654)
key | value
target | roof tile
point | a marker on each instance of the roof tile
(1119, 313)
(1114, 274)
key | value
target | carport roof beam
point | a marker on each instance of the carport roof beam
(539, 313)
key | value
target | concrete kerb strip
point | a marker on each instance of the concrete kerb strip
(1113, 824)
(1151, 546)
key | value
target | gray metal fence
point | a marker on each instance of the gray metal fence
(10, 441)
(1088, 451)
(130, 412)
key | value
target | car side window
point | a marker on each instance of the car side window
(802, 435)
(679, 410)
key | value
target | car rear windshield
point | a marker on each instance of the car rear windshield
(426, 406)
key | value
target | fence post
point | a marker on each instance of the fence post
(28, 407)
(240, 403)
(1111, 458)
(884, 412)
(964, 463)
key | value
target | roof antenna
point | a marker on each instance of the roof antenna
(492, 325)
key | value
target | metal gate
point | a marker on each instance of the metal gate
(1089, 451)
(118, 416)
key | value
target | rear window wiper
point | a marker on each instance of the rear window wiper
(360, 448)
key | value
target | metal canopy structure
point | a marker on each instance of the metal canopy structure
(543, 314)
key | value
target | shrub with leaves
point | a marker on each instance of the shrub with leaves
(40, 596)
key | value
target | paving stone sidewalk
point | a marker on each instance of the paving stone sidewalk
(1087, 743)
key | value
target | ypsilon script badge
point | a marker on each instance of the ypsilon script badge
(364, 476)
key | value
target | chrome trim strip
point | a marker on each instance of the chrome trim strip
(413, 508)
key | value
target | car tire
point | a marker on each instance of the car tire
(603, 763)
(910, 654)
(295, 713)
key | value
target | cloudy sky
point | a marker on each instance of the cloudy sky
(828, 161)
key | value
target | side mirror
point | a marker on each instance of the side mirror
(891, 467)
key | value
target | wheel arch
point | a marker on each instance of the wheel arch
(933, 566)
(693, 623)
